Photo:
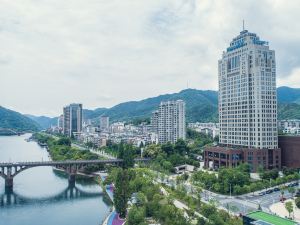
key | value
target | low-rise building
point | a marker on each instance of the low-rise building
(184, 168)
(290, 151)
(211, 129)
(217, 157)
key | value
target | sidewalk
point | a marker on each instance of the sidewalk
(113, 218)
(279, 209)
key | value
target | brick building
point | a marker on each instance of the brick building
(216, 157)
(290, 151)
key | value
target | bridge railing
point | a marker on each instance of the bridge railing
(66, 162)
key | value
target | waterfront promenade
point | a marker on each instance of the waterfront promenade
(113, 217)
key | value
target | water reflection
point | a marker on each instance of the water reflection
(70, 193)
(41, 195)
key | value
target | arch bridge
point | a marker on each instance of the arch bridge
(9, 170)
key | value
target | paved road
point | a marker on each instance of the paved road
(238, 204)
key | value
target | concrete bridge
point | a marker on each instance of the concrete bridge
(9, 170)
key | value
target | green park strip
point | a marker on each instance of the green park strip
(273, 219)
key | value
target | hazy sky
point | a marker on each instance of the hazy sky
(103, 52)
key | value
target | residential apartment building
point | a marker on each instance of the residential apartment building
(169, 121)
(104, 123)
(60, 122)
(72, 119)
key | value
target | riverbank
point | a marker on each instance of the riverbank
(42, 195)
(113, 218)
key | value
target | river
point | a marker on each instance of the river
(41, 195)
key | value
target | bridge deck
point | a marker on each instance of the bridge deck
(67, 162)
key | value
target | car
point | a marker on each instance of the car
(269, 191)
(262, 193)
(297, 194)
(292, 184)
(276, 189)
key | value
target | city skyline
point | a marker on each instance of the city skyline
(83, 53)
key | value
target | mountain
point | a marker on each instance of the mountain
(288, 95)
(44, 121)
(288, 111)
(10, 119)
(201, 106)
(91, 114)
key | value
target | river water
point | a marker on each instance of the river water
(41, 195)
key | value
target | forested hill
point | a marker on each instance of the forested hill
(201, 105)
(10, 119)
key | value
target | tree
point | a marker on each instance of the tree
(292, 191)
(121, 193)
(152, 150)
(167, 148)
(126, 153)
(64, 141)
(282, 191)
(259, 207)
(289, 207)
(136, 216)
(181, 147)
(297, 202)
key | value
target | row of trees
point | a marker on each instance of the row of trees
(60, 150)
(237, 180)
(149, 202)
(167, 156)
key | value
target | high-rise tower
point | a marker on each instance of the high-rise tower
(247, 93)
(247, 106)
(169, 121)
(72, 119)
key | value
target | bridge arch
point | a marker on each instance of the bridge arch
(9, 170)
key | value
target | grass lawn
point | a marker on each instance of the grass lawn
(266, 217)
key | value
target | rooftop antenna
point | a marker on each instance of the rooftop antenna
(243, 24)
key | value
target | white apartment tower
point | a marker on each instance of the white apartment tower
(60, 122)
(154, 121)
(247, 94)
(72, 119)
(104, 123)
(170, 120)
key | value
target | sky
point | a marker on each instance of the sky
(104, 52)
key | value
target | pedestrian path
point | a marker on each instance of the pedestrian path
(113, 218)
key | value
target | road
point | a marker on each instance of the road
(237, 204)
(100, 153)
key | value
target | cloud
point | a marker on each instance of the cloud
(102, 52)
(292, 80)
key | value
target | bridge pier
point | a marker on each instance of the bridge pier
(71, 180)
(9, 183)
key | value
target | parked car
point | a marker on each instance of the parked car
(276, 189)
(269, 191)
(261, 193)
(293, 184)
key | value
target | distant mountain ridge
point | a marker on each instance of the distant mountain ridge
(44, 121)
(10, 119)
(201, 105)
